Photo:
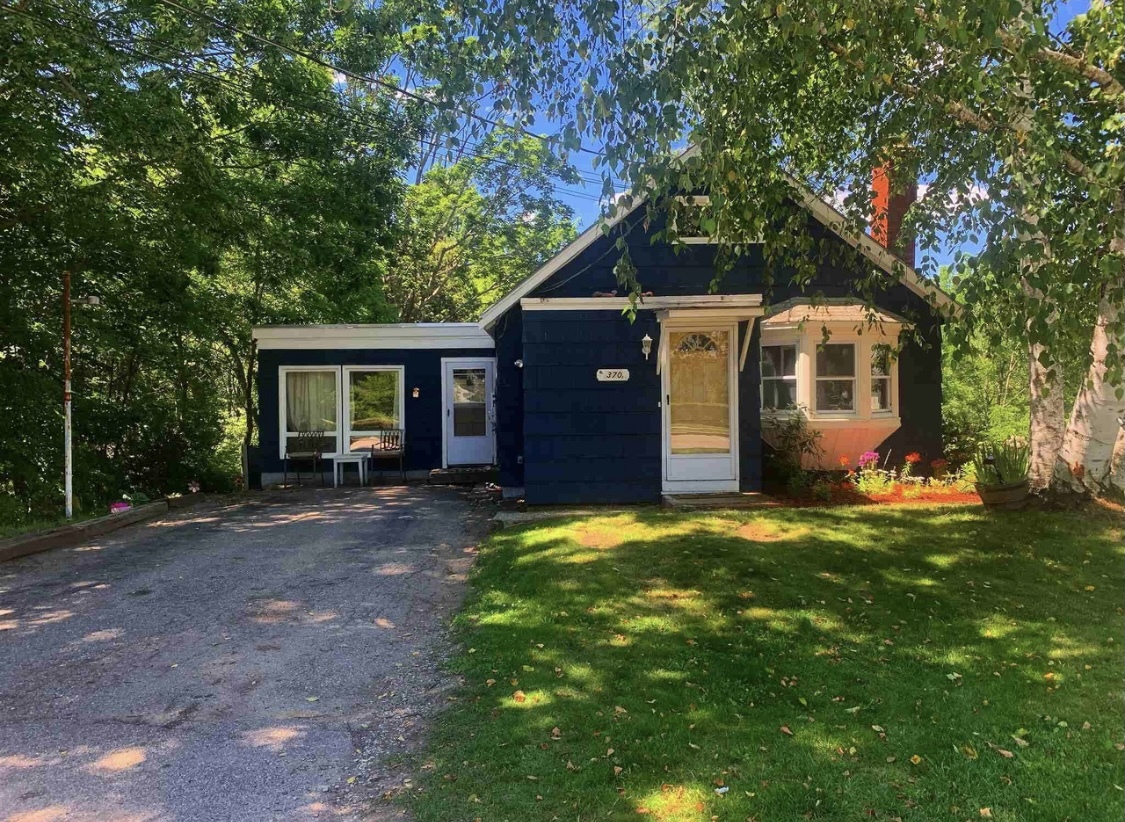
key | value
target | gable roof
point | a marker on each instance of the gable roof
(824, 213)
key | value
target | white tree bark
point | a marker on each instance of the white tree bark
(1117, 464)
(1085, 460)
(1046, 429)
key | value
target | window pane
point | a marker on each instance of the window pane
(470, 395)
(835, 360)
(835, 395)
(699, 387)
(374, 400)
(880, 394)
(779, 361)
(310, 401)
(779, 394)
(880, 361)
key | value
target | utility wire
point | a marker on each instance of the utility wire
(363, 78)
(468, 148)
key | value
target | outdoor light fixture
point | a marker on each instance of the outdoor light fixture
(646, 345)
(519, 363)
(415, 392)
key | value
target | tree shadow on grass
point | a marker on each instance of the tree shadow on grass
(921, 663)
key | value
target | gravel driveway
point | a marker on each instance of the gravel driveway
(258, 662)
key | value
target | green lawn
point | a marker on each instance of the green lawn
(905, 662)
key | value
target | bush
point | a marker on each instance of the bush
(1002, 464)
(793, 440)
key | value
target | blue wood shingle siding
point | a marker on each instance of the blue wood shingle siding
(691, 271)
(508, 334)
(424, 415)
(587, 441)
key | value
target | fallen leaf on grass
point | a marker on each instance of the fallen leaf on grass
(785, 730)
(986, 813)
(617, 769)
(916, 760)
(519, 696)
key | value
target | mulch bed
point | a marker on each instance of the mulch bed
(846, 494)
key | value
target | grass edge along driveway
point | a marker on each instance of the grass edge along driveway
(910, 663)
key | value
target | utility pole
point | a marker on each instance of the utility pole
(69, 470)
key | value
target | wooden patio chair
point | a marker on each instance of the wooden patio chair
(392, 445)
(307, 445)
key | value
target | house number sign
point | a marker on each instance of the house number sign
(613, 375)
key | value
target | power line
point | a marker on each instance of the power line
(362, 78)
(468, 148)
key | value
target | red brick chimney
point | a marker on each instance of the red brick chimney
(890, 205)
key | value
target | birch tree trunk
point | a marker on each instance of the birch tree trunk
(1047, 414)
(1085, 459)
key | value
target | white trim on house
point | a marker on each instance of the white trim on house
(373, 336)
(709, 302)
(584, 241)
(446, 402)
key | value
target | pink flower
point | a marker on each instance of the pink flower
(868, 458)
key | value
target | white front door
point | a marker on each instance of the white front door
(700, 382)
(469, 435)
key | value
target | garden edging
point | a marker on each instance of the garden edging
(66, 535)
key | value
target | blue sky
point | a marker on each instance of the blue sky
(586, 207)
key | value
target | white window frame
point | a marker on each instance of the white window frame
(806, 337)
(700, 202)
(795, 344)
(348, 370)
(283, 372)
(892, 373)
(854, 411)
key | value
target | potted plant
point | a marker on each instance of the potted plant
(1000, 473)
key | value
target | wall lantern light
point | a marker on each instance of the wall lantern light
(519, 363)
(646, 345)
(415, 392)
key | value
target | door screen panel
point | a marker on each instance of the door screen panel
(699, 392)
(470, 395)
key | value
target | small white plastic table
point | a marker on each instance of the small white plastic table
(339, 462)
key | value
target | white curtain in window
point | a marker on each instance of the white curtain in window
(310, 400)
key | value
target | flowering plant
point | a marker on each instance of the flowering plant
(940, 468)
(844, 461)
(869, 479)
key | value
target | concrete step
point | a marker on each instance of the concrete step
(464, 475)
(698, 502)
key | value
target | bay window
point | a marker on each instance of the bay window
(779, 377)
(880, 379)
(835, 377)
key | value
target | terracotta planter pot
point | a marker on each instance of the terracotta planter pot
(1008, 497)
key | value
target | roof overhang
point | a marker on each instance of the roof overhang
(799, 312)
(373, 336)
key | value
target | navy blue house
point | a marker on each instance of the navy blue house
(574, 403)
